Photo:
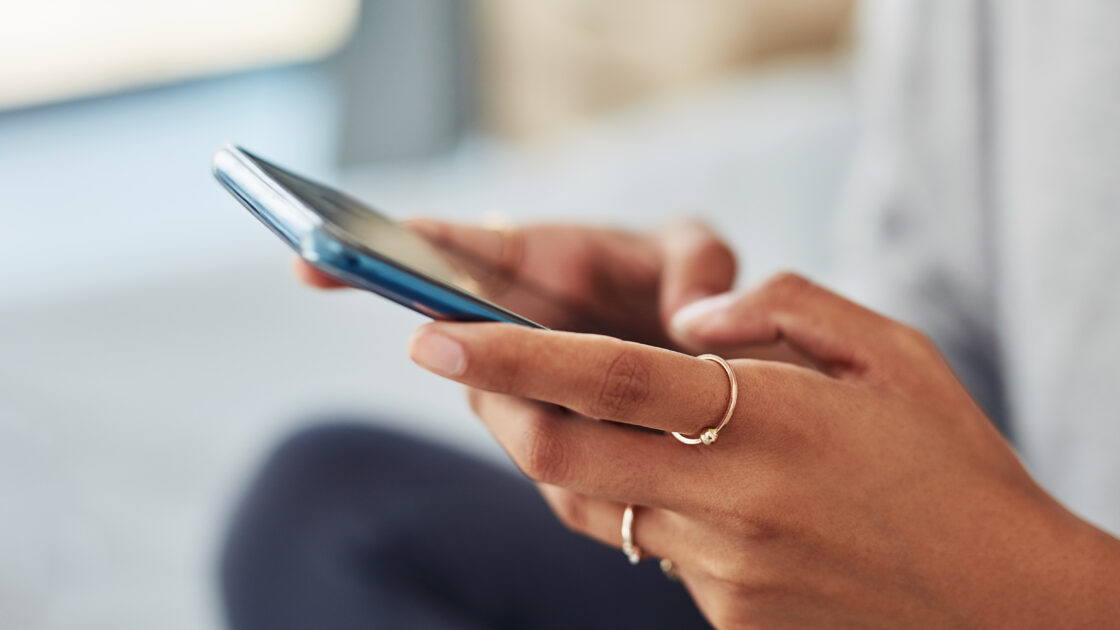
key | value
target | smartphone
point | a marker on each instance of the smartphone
(355, 244)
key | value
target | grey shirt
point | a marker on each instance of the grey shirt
(985, 209)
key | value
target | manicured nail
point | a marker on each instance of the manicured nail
(700, 314)
(437, 352)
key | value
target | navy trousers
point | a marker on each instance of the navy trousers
(352, 526)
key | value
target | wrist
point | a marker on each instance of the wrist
(1064, 573)
(1090, 575)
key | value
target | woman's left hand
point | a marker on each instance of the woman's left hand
(871, 493)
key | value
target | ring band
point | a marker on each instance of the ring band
(632, 551)
(708, 436)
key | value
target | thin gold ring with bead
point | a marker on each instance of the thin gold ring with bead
(709, 435)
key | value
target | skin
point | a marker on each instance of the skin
(857, 484)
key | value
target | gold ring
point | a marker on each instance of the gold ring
(632, 551)
(708, 436)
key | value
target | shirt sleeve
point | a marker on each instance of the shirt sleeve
(914, 232)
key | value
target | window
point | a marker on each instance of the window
(58, 49)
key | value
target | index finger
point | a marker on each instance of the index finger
(610, 379)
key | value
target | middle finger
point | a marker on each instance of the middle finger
(601, 459)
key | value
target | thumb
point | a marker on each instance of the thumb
(704, 318)
(695, 264)
(720, 324)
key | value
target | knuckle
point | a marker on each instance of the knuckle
(740, 581)
(512, 253)
(540, 455)
(722, 567)
(498, 371)
(625, 385)
(913, 341)
(764, 521)
(693, 232)
(509, 259)
(787, 284)
(745, 577)
(571, 509)
(475, 400)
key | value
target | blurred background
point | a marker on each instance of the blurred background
(153, 345)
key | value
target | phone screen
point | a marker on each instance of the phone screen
(377, 233)
(292, 206)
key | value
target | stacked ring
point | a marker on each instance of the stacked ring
(632, 551)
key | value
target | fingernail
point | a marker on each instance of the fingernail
(701, 314)
(438, 353)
